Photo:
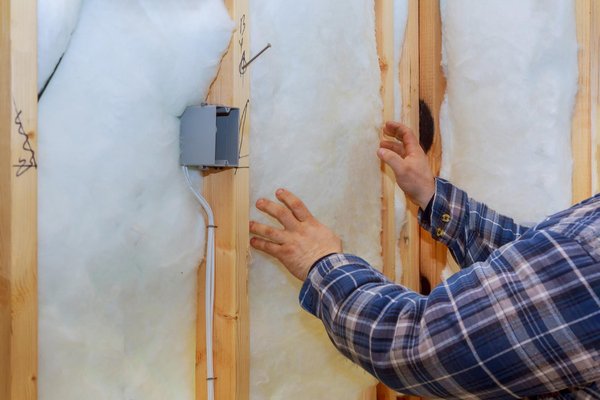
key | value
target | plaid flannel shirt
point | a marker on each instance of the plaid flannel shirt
(521, 319)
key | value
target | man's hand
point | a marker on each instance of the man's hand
(409, 163)
(303, 239)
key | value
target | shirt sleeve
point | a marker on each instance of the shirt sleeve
(490, 331)
(469, 229)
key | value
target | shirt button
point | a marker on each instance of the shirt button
(446, 218)
(439, 232)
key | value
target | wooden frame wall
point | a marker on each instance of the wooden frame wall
(18, 200)
(421, 78)
(228, 193)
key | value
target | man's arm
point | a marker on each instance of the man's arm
(470, 229)
(504, 328)
(524, 322)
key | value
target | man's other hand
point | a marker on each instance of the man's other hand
(302, 241)
(409, 163)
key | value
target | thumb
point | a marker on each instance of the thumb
(392, 159)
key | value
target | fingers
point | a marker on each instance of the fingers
(404, 134)
(273, 234)
(277, 211)
(396, 147)
(295, 205)
(392, 159)
(270, 248)
(396, 129)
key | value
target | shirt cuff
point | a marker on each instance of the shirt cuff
(444, 214)
(316, 282)
(317, 262)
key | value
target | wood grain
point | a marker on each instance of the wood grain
(595, 92)
(409, 84)
(432, 87)
(228, 193)
(384, 32)
(18, 200)
(581, 131)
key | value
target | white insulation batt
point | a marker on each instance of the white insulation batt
(511, 67)
(57, 20)
(120, 236)
(316, 111)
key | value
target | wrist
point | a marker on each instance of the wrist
(315, 263)
(427, 195)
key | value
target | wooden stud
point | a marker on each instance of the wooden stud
(595, 93)
(581, 132)
(432, 87)
(409, 83)
(228, 193)
(384, 30)
(18, 200)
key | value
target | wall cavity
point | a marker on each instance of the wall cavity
(511, 67)
(120, 236)
(316, 111)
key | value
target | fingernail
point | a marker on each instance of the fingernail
(381, 152)
(259, 202)
(279, 191)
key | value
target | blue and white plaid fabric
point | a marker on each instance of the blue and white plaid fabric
(521, 319)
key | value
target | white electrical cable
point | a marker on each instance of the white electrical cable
(210, 284)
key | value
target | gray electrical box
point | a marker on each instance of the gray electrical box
(209, 136)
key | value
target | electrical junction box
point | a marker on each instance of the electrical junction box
(209, 136)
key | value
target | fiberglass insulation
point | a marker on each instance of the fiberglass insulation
(511, 67)
(120, 236)
(316, 110)
(57, 20)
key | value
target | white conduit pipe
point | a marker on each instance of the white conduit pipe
(210, 285)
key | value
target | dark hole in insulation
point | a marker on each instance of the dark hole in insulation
(426, 126)
(425, 285)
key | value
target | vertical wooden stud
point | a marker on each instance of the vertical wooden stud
(18, 200)
(409, 83)
(581, 132)
(432, 86)
(228, 193)
(595, 93)
(384, 30)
